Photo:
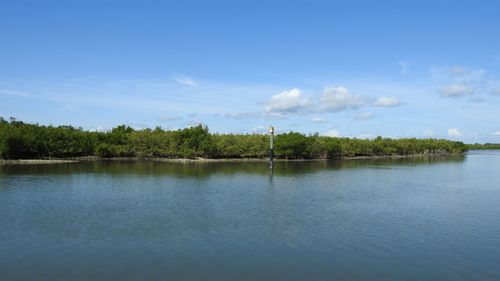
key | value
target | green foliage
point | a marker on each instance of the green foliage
(240, 146)
(291, 146)
(196, 142)
(484, 146)
(20, 140)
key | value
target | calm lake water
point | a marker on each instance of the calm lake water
(413, 219)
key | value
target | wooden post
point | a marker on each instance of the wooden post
(271, 146)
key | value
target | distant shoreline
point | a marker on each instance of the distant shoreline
(205, 160)
(36, 161)
(19, 140)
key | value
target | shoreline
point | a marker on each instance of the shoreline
(36, 161)
(206, 160)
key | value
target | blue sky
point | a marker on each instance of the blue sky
(340, 68)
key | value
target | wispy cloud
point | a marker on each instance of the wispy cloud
(459, 81)
(14, 93)
(154, 95)
(387, 102)
(458, 74)
(455, 90)
(185, 80)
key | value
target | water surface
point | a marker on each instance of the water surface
(411, 219)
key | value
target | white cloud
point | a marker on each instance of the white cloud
(332, 133)
(318, 120)
(456, 90)
(185, 80)
(387, 102)
(332, 99)
(336, 99)
(454, 132)
(497, 133)
(496, 91)
(364, 115)
(14, 93)
(287, 101)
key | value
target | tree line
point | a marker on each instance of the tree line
(484, 146)
(20, 140)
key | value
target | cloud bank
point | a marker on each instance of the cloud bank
(331, 100)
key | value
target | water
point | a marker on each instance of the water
(414, 219)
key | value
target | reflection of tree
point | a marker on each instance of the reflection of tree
(205, 169)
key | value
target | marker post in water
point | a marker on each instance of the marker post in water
(271, 146)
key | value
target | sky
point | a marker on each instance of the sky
(425, 69)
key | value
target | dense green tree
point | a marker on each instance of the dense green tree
(291, 145)
(19, 140)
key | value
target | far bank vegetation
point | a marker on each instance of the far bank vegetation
(20, 140)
